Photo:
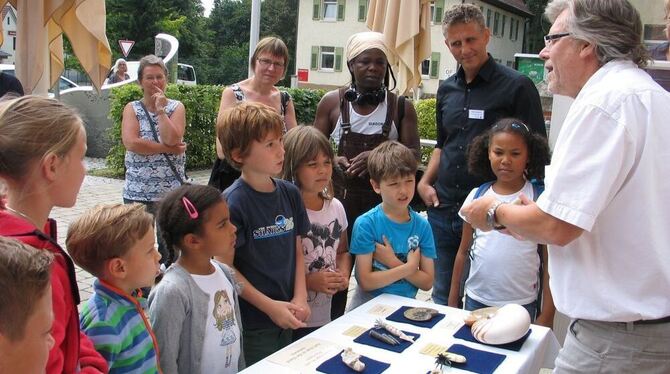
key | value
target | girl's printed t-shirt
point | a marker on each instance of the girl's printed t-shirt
(320, 249)
(221, 345)
(503, 269)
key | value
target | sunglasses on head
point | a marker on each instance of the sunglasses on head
(514, 125)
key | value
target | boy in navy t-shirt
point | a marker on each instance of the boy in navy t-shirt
(271, 219)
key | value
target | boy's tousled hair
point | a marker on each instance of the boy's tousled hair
(538, 150)
(25, 273)
(31, 127)
(391, 159)
(239, 126)
(106, 232)
(302, 144)
(174, 219)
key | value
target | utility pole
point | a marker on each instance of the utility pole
(254, 29)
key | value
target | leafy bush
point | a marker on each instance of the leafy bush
(202, 104)
(305, 102)
(425, 113)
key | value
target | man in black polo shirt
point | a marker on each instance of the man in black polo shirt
(468, 104)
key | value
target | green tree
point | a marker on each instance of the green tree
(136, 20)
(226, 56)
(280, 18)
(538, 26)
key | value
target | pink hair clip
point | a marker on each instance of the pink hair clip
(190, 208)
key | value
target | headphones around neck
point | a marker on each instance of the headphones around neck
(370, 98)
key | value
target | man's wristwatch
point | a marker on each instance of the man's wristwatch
(491, 216)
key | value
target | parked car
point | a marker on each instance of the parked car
(64, 83)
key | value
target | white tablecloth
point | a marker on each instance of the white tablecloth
(539, 350)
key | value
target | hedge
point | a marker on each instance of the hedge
(202, 103)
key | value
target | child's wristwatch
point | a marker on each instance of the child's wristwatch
(491, 216)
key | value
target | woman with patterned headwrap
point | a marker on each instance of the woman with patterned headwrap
(359, 117)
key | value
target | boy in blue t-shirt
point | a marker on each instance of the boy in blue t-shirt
(271, 219)
(393, 244)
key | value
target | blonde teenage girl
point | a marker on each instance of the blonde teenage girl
(42, 148)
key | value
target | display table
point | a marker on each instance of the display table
(304, 356)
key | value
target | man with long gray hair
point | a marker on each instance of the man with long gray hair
(605, 211)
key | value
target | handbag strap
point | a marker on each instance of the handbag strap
(155, 134)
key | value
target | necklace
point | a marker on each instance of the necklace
(16, 212)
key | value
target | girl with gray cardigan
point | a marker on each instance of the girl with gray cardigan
(194, 309)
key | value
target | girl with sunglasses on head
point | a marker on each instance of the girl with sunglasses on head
(194, 309)
(269, 63)
(504, 269)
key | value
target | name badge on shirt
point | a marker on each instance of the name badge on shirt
(476, 114)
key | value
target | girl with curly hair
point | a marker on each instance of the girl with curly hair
(504, 269)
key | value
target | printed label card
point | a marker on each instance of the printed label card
(306, 353)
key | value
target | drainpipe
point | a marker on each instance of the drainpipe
(254, 29)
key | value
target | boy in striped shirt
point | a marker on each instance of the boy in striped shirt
(116, 243)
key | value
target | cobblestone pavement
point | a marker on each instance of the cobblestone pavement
(99, 190)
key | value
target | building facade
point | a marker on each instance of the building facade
(8, 47)
(325, 25)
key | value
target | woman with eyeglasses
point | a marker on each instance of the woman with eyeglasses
(269, 63)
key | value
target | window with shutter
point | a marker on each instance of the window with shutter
(340, 9)
(439, 11)
(329, 10)
(362, 10)
(425, 68)
(316, 13)
(327, 58)
(502, 29)
(516, 30)
(314, 61)
(339, 51)
(434, 64)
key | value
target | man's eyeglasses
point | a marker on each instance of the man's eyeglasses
(266, 63)
(548, 39)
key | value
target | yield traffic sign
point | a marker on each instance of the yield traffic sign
(126, 46)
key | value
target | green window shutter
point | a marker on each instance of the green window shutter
(338, 58)
(362, 10)
(439, 11)
(502, 30)
(434, 64)
(314, 63)
(340, 9)
(316, 15)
